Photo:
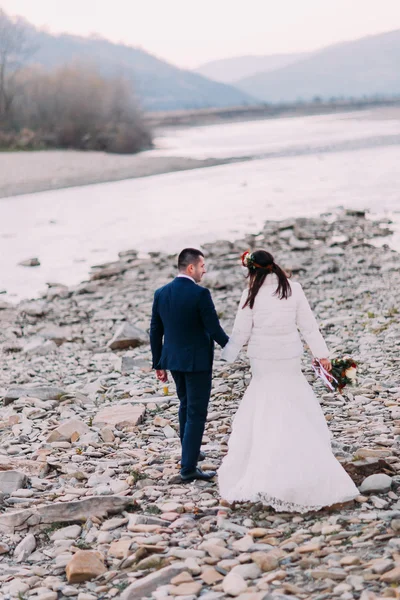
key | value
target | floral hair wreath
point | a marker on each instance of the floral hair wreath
(249, 262)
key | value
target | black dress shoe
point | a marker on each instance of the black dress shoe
(198, 474)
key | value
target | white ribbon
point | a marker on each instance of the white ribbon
(323, 374)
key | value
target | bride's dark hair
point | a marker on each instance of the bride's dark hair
(260, 265)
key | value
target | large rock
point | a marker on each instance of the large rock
(107, 435)
(42, 392)
(298, 244)
(37, 308)
(219, 280)
(187, 589)
(25, 548)
(120, 548)
(128, 336)
(108, 270)
(310, 229)
(373, 452)
(360, 469)
(243, 544)
(127, 365)
(65, 431)
(234, 584)
(5, 305)
(10, 481)
(392, 576)
(30, 262)
(210, 576)
(218, 248)
(32, 468)
(72, 532)
(145, 586)
(329, 573)
(58, 335)
(62, 512)
(355, 212)
(266, 561)
(85, 565)
(13, 345)
(376, 483)
(121, 415)
(18, 588)
(40, 347)
(247, 571)
(128, 255)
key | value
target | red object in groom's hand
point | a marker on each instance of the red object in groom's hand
(162, 375)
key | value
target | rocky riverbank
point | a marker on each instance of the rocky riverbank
(91, 501)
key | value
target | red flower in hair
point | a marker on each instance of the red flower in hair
(245, 257)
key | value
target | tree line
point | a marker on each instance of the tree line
(73, 106)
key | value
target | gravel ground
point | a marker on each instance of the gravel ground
(86, 433)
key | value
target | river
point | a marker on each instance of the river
(302, 166)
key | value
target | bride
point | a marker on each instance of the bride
(279, 451)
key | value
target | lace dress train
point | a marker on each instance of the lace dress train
(279, 451)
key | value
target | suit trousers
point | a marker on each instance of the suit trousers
(193, 391)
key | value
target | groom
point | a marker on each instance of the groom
(184, 326)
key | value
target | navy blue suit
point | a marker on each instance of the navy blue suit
(184, 326)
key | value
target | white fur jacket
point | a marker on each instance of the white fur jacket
(271, 327)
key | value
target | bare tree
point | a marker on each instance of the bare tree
(15, 48)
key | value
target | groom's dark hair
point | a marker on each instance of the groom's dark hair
(188, 256)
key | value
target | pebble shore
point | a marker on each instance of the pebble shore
(91, 503)
(39, 171)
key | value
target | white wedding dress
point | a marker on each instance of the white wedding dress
(279, 451)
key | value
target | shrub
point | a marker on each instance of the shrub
(75, 107)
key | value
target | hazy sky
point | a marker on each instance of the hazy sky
(188, 33)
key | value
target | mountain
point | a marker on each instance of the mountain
(158, 85)
(230, 70)
(369, 67)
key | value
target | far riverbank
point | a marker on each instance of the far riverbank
(182, 144)
(39, 171)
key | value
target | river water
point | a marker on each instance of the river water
(303, 166)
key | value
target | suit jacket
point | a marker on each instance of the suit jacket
(184, 326)
(271, 327)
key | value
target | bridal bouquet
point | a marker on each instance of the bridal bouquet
(344, 372)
